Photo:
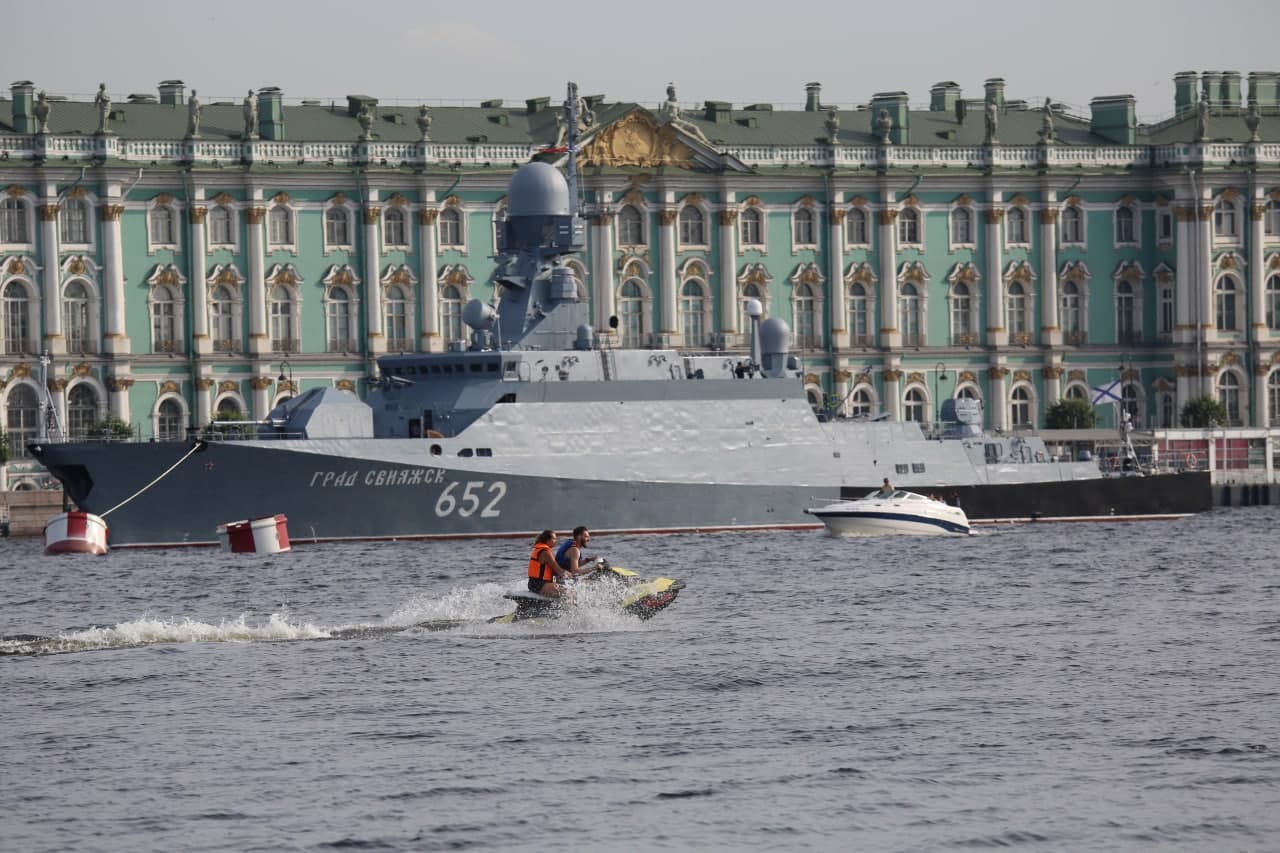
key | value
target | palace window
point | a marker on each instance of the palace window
(1017, 308)
(17, 328)
(1126, 232)
(1015, 226)
(280, 226)
(1225, 304)
(75, 317)
(1165, 409)
(961, 226)
(961, 313)
(804, 229)
(750, 230)
(631, 313)
(1273, 398)
(1072, 317)
(1072, 225)
(909, 226)
(220, 221)
(693, 231)
(169, 420)
(1271, 220)
(855, 227)
(338, 321)
(23, 419)
(337, 226)
(913, 405)
(805, 322)
(164, 321)
(860, 403)
(450, 224)
(73, 222)
(280, 320)
(909, 315)
(1126, 315)
(750, 291)
(13, 221)
(859, 327)
(397, 319)
(1166, 309)
(222, 320)
(395, 230)
(1229, 397)
(630, 226)
(451, 313)
(1020, 407)
(82, 411)
(164, 226)
(1225, 224)
(693, 304)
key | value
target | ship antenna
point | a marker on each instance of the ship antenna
(571, 174)
(48, 411)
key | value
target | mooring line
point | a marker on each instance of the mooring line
(199, 445)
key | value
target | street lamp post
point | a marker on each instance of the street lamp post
(940, 373)
(286, 368)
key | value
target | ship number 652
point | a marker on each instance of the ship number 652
(466, 503)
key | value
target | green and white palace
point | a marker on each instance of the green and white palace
(181, 261)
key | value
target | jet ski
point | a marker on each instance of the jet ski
(622, 588)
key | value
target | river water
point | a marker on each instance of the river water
(1053, 687)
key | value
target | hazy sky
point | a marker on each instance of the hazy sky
(742, 52)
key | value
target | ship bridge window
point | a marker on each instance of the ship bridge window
(410, 370)
(509, 369)
(900, 468)
(466, 452)
(477, 368)
(917, 467)
(992, 452)
(484, 451)
(435, 368)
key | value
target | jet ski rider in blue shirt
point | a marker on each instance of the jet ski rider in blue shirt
(570, 555)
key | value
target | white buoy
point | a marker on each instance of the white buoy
(266, 535)
(75, 533)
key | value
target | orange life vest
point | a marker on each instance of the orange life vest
(536, 568)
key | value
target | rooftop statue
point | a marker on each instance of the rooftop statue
(884, 124)
(103, 102)
(424, 123)
(193, 116)
(42, 112)
(1046, 124)
(1202, 118)
(833, 127)
(366, 122)
(993, 122)
(250, 116)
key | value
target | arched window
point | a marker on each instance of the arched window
(164, 321)
(164, 226)
(1126, 316)
(229, 410)
(750, 291)
(961, 313)
(337, 226)
(451, 313)
(23, 419)
(1130, 402)
(1225, 304)
(804, 228)
(967, 392)
(909, 225)
(17, 329)
(1273, 398)
(397, 319)
(1273, 303)
(961, 225)
(913, 405)
(75, 316)
(750, 231)
(220, 225)
(1165, 405)
(1017, 309)
(82, 411)
(1076, 392)
(861, 403)
(631, 314)
(13, 221)
(222, 319)
(450, 223)
(909, 315)
(169, 420)
(279, 226)
(1229, 397)
(859, 326)
(1125, 230)
(73, 221)
(395, 231)
(1072, 224)
(1224, 219)
(1166, 309)
(1271, 219)
(692, 308)
(630, 226)
(855, 227)
(281, 320)
(1020, 407)
(1071, 315)
(1015, 224)
(337, 317)
(692, 226)
(805, 322)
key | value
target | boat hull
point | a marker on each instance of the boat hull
(339, 495)
(869, 523)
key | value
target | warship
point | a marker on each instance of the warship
(537, 424)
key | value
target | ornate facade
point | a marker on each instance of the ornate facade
(180, 260)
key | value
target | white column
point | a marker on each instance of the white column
(203, 414)
(430, 336)
(1203, 272)
(1184, 304)
(199, 286)
(114, 338)
(1257, 298)
(118, 399)
(998, 403)
(1052, 385)
(602, 272)
(261, 402)
(997, 331)
(893, 392)
(372, 261)
(890, 334)
(1051, 332)
(667, 277)
(259, 341)
(729, 276)
(835, 274)
(54, 342)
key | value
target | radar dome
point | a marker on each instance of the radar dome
(538, 189)
(775, 336)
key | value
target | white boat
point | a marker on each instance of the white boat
(899, 512)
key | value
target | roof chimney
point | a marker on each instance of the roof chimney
(995, 92)
(1114, 118)
(1184, 92)
(173, 93)
(270, 113)
(943, 96)
(812, 97)
(24, 117)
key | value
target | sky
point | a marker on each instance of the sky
(743, 52)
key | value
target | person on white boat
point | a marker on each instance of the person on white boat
(545, 575)
(886, 490)
(570, 555)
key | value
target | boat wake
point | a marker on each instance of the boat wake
(468, 609)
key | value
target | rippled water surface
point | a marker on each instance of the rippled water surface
(1058, 687)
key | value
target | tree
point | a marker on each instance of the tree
(1204, 412)
(4, 447)
(113, 428)
(1070, 414)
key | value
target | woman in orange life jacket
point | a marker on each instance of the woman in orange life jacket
(545, 574)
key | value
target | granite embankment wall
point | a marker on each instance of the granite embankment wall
(28, 511)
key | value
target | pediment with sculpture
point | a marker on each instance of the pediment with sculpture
(637, 139)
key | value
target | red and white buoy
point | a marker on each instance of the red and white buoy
(75, 533)
(267, 535)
